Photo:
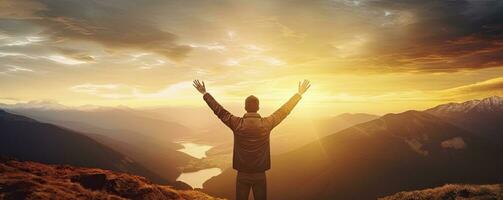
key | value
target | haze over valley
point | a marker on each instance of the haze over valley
(337, 155)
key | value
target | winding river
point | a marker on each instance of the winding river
(197, 178)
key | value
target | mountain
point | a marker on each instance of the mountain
(473, 192)
(134, 133)
(27, 139)
(121, 118)
(490, 104)
(342, 121)
(42, 105)
(484, 117)
(161, 159)
(396, 152)
(31, 180)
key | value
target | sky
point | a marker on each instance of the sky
(372, 56)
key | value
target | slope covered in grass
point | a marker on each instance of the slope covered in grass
(473, 192)
(31, 180)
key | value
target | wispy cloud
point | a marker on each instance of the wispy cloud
(121, 91)
(21, 41)
(491, 87)
(10, 69)
(64, 60)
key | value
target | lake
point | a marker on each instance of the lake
(197, 178)
(195, 150)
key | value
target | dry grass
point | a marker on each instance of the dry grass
(30, 180)
(453, 192)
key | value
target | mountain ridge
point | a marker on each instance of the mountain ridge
(29, 139)
(493, 103)
(376, 158)
(482, 117)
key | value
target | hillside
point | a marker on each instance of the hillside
(396, 152)
(105, 118)
(483, 117)
(473, 192)
(342, 121)
(159, 156)
(133, 133)
(31, 180)
(27, 139)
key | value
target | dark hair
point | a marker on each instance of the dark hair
(251, 104)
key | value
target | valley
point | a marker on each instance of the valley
(439, 144)
(196, 176)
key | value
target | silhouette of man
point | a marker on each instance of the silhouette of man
(251, 154)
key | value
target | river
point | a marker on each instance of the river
(197, 178)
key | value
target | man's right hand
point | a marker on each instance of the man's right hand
(200, 87)
(304, 86)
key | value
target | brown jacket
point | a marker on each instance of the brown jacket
(251, 134)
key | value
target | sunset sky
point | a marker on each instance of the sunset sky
(373, 56)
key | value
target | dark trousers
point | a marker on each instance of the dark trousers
(254, 181)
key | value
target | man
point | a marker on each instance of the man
(251, 155)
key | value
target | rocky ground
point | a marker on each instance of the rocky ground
(31, 180)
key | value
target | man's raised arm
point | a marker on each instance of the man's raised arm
(280, 114)
(225, 116)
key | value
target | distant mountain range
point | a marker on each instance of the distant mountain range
(31, 180)
(105, 118)
(134, 133)
(358, 156)
(27, 139)
(487, 105)
(484, 117)
(396, 152)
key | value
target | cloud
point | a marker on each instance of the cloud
(10, 54)
(364, 36)
(482, 89)
(10, 69)
(21, 41)
(122, 91)
(117, 25)
(15, 57)
(105, 90)
(394, 36)
(492, 85)
(210, 47)
(20, 9)
(7, 100)
(75, 54)
(391, 51)
(416, 146)
(64, 60)
(454, 143)
(39, 104)
(254, 60)
(469, 36)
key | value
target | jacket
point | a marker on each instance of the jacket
(251, 152)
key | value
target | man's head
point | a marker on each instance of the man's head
(251, 104)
